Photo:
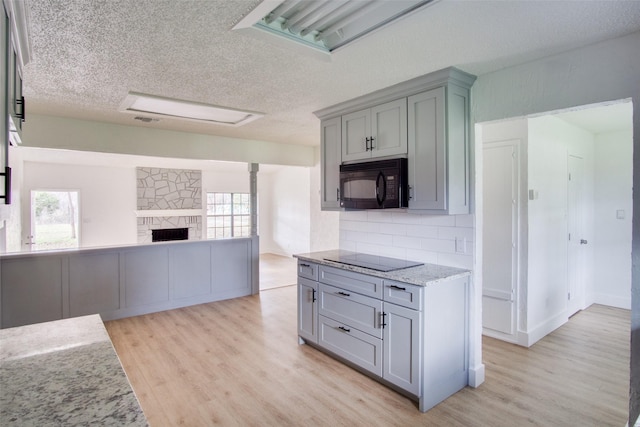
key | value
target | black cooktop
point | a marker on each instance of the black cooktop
(374, 262)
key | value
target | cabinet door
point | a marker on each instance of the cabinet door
(331, 134)
(427, 150)
(389, 129)
(307, 312)
(356, 128)
(401, 337)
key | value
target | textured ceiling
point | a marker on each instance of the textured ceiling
(88, 54)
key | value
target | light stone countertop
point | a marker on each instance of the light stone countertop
(95, 249)
(64, 372)
(422, 275)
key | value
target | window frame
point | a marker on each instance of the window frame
(245, 229)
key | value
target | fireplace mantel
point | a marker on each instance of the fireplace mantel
(147, 213)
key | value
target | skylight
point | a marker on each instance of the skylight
(326, 25)
(159, 107)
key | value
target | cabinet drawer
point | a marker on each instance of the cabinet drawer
(308, 270)
(356, 282)
(403, 294)
(357, 311)
(351, 344)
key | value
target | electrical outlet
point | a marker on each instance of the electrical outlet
(461, 245)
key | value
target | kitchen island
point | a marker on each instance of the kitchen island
(64, 372)
(408, 328)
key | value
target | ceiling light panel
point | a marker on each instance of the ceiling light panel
(139, 103)
(327, 25)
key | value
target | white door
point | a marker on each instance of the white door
(54, 220)
(577, 239)
(500, 239)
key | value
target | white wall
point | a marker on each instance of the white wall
(551, 140)
(73, 134)
(107, 198)
(613, 192)
(290, 211)
(601, 72)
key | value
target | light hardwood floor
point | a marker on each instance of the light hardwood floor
(277, 271)
(238, 363)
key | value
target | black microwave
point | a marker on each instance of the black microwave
(380, 184)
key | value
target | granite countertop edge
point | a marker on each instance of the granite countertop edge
(423, 275)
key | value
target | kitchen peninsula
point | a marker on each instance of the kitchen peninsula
(123, 281)
(408, 327)
(64, 372)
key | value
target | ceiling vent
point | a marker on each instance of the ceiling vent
(145, 119)
(156, 107)
(326, 25)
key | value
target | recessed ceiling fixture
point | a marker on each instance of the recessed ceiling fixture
(159, 107)
(326, 25)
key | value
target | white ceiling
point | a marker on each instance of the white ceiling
(88, 54)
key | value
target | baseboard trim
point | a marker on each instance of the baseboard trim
(476, 375)
(542, 330)
(612, 300)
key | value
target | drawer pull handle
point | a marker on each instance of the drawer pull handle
(400, 288)
(344, 294)
(344, 329)
(304, 265)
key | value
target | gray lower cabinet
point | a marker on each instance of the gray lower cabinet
(307, 312)
(351, 344)
(412, 338)
(402, 333)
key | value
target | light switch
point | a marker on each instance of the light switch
(461, 245)
(620, 214)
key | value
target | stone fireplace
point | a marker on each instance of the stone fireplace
(169, 199)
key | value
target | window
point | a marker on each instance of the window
(228, 215)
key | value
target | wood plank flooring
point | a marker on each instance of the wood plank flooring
(277, 271)
(238, 363)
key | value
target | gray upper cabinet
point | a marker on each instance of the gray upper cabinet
(439, 150)
(425, 119)
(330, 161)
(379, 131)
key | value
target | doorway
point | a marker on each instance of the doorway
(575, 170)
(54, 220)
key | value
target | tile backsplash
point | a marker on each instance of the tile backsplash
(437, 239)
